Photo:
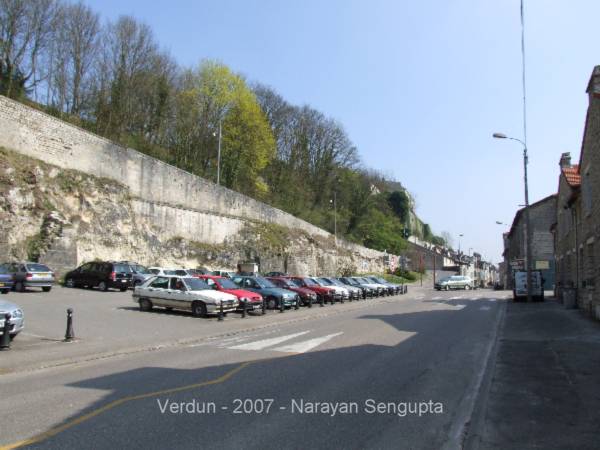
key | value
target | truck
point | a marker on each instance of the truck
(520, 289)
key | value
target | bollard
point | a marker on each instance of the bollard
(5, 338)
(310, 299)
(321, 300)
(220, 318)
(281, 305)
(69, 334)
(297, 305)
(405, 289)
(243, 309)
(264, 307)
(342, 299)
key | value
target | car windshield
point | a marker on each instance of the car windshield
(195, 284)
(264, 283)
(349, 281)
(362, 280)
(122, 268)
(287, 283)
(336, 282)
(307, 281)
(38, 268)
(226, 283)
(326, 281)
(169, 272)
(380, 280)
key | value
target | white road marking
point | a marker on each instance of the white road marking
(436, 298)
(259, 345)
(485, 308)
(458, 306)
(304, 346)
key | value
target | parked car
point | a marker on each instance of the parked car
(367, 291)
(104, 275)
(341, 293)
(275, 274)
(454, 282)
(307, 297)
(273, 295)
(379, 288)
(354, 291)
(325, 293)
(392, 288)
(6, 279)
(139, 273)
(252, 299)
(30, 275)
(185, 293)
(164, 271)
(16, 318)
(520, 286)
(224, 273)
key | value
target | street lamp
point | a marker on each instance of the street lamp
(459, 236)
(527, 219)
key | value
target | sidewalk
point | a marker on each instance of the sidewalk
(545, 390)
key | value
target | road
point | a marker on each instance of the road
(344, 380)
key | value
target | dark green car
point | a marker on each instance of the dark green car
(273, 295)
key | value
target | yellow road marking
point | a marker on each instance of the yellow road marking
(56, 430)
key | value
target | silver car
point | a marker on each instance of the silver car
(16, 318)
(31, 275)
(186, 293)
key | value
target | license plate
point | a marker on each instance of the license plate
(123, 281)
(41, 275)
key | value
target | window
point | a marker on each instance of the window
(590, 265)
(160, 283)
(176, 284)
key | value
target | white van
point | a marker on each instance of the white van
(520, 289)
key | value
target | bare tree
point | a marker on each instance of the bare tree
(26, 27)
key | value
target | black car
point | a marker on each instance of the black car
(100, 274)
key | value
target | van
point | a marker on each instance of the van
(520, 289)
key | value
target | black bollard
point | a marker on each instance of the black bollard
(264, 307)
(310, 299)
(69, 334)
(243, 309)
(5, 338)
(297, 305)
(321, 300)
(281, 305)
(220, 318)
(342, 299)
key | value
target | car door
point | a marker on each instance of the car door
(156, 291)
(176, 296)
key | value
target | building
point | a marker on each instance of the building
(577, 223)
(542, 216)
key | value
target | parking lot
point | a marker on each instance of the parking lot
(109, 323)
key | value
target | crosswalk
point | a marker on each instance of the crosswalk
(299, 342)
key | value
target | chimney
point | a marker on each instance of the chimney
(565, 160)
(593, 88)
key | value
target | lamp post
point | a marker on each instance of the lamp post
(334, 201)
(528, 234)
(219, 154)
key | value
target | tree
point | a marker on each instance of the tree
(400, 204)
(26, 27)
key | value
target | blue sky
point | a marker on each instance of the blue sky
(419, 86)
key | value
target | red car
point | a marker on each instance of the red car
(253, 300)
(307, 296)
(327, 294)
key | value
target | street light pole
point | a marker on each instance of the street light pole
(528, 230)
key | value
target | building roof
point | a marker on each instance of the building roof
(520, 212)
(572, 175)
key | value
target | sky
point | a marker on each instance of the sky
(420, 86)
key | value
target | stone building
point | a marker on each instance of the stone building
(578, 215)
(542, 216)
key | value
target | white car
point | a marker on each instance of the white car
(454, 282)
(167, 271)
(186, 293)
(343, 292)
(379, 288)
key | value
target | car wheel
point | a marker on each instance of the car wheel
(198, 309)
(46, 288)
(467, 287)
(5, 291)
(446, 288)
(69, 283)
(123, 289)
(19, 287)
(145, 304)
(103, 286)
(271, 303)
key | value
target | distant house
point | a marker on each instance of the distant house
(542, 216)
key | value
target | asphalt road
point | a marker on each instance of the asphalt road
(400, 373)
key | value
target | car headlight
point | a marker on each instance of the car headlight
(244, 299)
(17, 314)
